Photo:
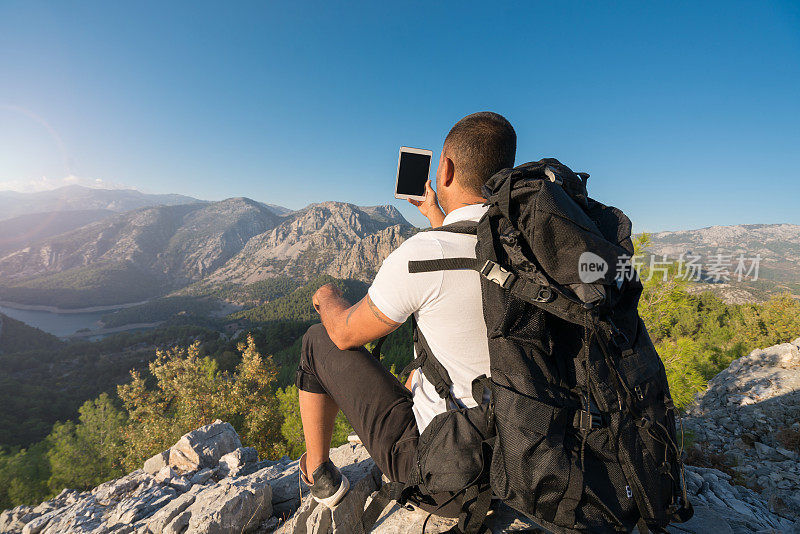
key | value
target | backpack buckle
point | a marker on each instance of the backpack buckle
(586, 421)
(583, 421)
(497, 274)
(554, 177)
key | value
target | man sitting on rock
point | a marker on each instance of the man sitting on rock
(337, 372)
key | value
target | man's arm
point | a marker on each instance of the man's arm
(350, 326)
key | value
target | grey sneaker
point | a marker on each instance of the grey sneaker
(330, 485)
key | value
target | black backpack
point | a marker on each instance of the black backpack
(580, 431)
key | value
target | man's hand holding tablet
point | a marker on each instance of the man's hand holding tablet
(430, 206)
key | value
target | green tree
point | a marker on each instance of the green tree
(23, 476)
(181, 400)
(775, 321)
(664, 297)
(684, 376)
(86, 454)
(250, 400)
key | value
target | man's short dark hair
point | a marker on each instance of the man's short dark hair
(480, 145)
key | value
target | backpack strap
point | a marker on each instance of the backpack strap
(471, 520)
(447, 264)
(376, 350)
(432, 368)
(477, 501)
(458, 227)
(538, 292)
(443, 264)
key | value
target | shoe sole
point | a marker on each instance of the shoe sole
(334, 499)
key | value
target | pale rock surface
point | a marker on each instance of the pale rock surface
(167, 514)
(364, 477)
(156, 463)
(165, 474)
(204, 447)
(744, 414)
(202, 476)
(233, 462)
(231, 506)
(165, 502)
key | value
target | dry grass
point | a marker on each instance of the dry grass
(698, 457)
(789, 439)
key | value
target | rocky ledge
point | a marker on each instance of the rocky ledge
(748, 422)
(209, 483)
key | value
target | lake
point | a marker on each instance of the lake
(59, 324)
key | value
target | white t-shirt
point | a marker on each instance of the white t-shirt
(447, 306)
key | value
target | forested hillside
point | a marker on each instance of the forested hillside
(45, 379)
(16, 336)
(39, 386)
(192, 309)
(296, 305)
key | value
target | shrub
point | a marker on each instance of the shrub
(190, 392)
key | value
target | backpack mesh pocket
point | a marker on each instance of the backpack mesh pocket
(522, 322)
(530, 467)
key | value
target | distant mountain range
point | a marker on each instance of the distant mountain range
(334, 238)
(76, 197)
(778, 245)
(151, 251)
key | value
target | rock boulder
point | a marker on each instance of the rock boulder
(204, 447)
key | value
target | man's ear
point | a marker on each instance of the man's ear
(449, 171)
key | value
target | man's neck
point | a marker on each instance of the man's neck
(464, 202)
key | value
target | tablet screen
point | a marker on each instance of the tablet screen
(413, 173)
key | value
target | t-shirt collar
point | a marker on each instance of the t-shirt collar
(472, 212)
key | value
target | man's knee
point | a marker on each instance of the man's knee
(315, 341)
(316, 337)
(316, 331)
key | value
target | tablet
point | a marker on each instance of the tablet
(413, 166)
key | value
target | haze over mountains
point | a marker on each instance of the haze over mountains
(76, 197)
(151, 251)
(20, 231)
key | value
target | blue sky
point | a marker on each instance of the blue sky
(687, 114)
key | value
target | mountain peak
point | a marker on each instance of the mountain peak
(384, 214)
